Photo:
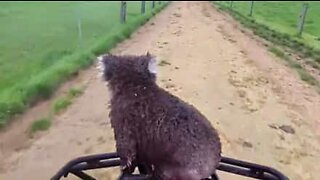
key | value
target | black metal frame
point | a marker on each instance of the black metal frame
(98, 161)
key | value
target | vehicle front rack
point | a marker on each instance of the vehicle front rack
(107, 160)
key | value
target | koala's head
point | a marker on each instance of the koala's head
(127, 68)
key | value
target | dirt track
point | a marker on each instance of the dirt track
(245, 91)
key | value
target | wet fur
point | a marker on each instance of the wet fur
(155, 128)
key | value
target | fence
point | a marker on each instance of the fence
(39, 39)
(40, 33)
(294, 18)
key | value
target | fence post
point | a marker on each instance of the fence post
(79, 24)
(302, 18)
(143, 7)
(159, 2)
(231, 3)
(123, 11)
(251, 8)
(153, 4)
(80, 31)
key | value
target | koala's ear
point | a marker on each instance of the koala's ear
(104, 66)
(152, 65)
(100, 63)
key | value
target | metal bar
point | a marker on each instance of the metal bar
(143, 7)
(82, 175)
(112, 159)
(251, 8)
(245, 172)
(123, 11)
(302, 18)
(64, 170)
(253, 166)
(97, 165)
(134, 177)
(79, 25)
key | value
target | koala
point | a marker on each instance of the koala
(154, 128)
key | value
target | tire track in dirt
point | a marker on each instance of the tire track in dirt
(261, 109)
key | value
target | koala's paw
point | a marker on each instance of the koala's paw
(127, 166)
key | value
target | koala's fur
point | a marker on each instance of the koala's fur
(155, 128)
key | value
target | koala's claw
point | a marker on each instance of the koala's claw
(128, 167)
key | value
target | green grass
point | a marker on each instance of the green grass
(61, 104)
(40, 125)
(66, 101)
(278, 52)
(272, 24)
(278, 26)
(74, 92)
(40, 48)
(304, 75)
(282, 55)
(283, 17)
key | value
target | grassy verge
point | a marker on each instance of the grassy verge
(282, 40)
(304, 75)
(61, 104)
(18, 98)
(66, 101)
(278, 38)
(282, 16)
(58, 107)
(39, 125)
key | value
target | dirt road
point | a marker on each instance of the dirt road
(263, 111)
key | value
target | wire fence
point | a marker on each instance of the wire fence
(34, 34)
(296, 18)
(39, 39)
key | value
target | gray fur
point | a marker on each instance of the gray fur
(155, 128)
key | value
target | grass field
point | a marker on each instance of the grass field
(277, 23)
(283, 17)
(41, 46)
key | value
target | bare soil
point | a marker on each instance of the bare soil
(264, 113)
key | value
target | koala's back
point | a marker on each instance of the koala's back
(170, 134)
(189, 135)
